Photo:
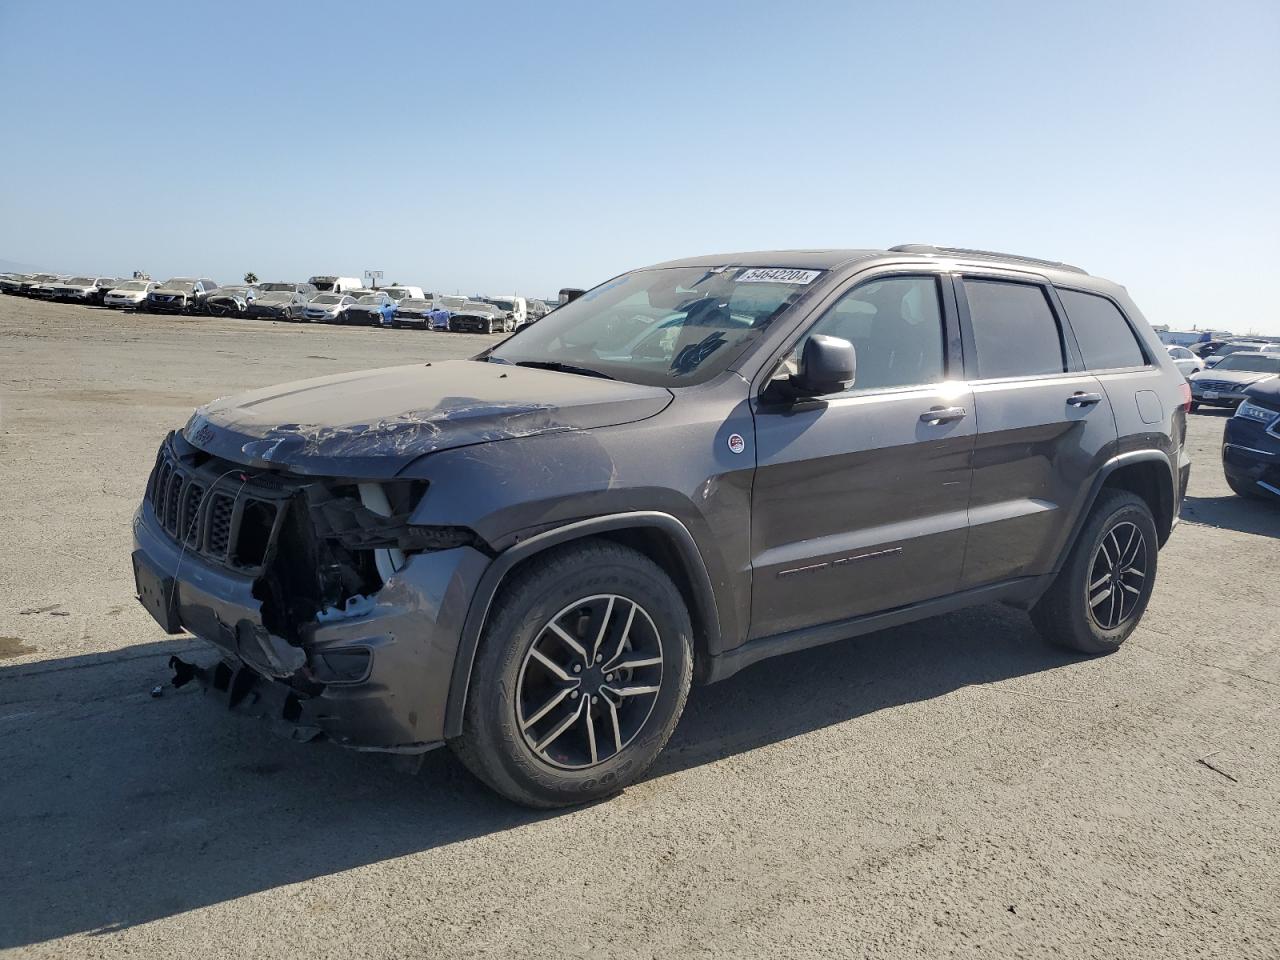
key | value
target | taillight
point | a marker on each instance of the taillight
(1186, 395)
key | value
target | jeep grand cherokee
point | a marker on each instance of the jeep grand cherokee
(530, 555)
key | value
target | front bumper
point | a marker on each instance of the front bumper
(1222, 397)
(1251, 455)
(166, 306)
(403, 642)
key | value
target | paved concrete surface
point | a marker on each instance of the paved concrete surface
(955, 787)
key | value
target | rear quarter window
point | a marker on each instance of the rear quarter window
(1106, 340)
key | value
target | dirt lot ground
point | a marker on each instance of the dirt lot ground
(954, 787)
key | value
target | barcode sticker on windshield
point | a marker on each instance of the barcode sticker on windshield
(777, 275)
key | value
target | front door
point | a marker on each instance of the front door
(859, 501)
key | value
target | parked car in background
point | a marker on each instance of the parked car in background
(414, 312)
(44, 290)
(33, 280)
(372, 309)
(1186, 361)
(1225, 383)
(230, 301)
(11, 282)
(518, 307)
(179, 295)
(82, 289)
(479, 316)
(278, 305)
(128, 294)
(327, 284)
(1233, 346)
(400, 292)
(570, 294)
(279, 286)
(1251, 442)
(327, 307)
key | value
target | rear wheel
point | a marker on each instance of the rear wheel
(580, 679)
(1100, 594)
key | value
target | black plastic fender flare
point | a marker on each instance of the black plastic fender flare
(491, 581)
(1099, 481)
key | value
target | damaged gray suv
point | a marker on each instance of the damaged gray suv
(531, 555)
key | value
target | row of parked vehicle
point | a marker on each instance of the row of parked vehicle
(322, 299)
(1221, 371)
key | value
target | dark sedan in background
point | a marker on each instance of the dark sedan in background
(278, 305)
(1251, 442)
(1225, 384)
(231, 301)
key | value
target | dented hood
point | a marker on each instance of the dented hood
(372, 423)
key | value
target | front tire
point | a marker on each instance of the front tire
(1101, 592)
(580, 678)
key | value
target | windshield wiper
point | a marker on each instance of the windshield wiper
(564, 368)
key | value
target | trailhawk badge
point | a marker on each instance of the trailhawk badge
(736, 443)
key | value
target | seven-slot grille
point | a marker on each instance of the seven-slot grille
(220, 517)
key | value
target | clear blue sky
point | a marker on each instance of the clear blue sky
(527, 146)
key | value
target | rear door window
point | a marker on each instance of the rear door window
(1105, 337)
(1015, 332)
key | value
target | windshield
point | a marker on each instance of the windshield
(134, 285)
(371, 298)
(277, 286)
(233, 291)
(276, 296)
(666, 327)
(502, 304)
(414, 303)
(1244, 361)
(453, 303)
(328, 298)
(395, 294)
(323, 283)
(80, 281)
(184, 285)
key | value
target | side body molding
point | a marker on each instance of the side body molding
(704, 612)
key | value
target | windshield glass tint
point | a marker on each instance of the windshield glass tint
(134, 285)
(668, 327)
(1241, 361)
(276, 296)
(328, 298)
(416, 304)
(184, 285)
(370, 299)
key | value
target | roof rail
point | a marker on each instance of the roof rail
(985, 254)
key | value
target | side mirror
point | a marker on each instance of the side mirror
(827, 365)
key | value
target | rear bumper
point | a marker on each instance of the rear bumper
(377, 681)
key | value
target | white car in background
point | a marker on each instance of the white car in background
(1186, 361)
(402, 292)
(327, 307)
(129, 294)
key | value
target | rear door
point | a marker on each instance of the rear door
(859, 500)
(1044, 425)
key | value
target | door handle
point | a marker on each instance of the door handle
(936, 415)
(1084, 399)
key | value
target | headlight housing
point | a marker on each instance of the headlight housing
(1256, 412)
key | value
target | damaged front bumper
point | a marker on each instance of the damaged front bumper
(372, 675)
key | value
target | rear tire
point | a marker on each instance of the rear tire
(560, 710)
(1101, 592)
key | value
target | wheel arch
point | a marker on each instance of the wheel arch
(1145, 473)
(659, 536)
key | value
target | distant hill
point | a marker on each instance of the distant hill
(13, 266)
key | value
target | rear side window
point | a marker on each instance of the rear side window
(1014, 330)
(1105, 338)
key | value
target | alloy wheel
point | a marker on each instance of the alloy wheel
(589, 681)
(1117, 575)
